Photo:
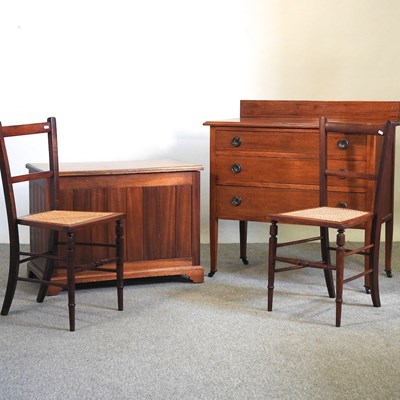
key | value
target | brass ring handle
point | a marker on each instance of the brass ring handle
(236, 201)
(342, 204)
(342, 144)
(236, 141)
(236, 168)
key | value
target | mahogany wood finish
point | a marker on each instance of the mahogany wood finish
(55, 223)
(267, 162)
(161, 199)
(341, 219)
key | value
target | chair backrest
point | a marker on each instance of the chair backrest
(51, 175)
(380, 139)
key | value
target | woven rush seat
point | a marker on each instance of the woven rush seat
(332, 214)
(65, 217)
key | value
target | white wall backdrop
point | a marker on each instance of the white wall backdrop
(129, 79)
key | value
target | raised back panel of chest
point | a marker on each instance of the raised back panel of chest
(362, 111)
(360, 154)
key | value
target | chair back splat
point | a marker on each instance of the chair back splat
(336, 135)
(60, 226)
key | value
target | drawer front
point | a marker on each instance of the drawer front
(250, 203)
(237, 169)
(305, 143)
(267, 140)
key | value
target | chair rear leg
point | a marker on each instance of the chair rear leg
(374, 279)
(273, 231)
(388, 247)
(326, 257)
(49, 268)
(12, 278)
(47, 274)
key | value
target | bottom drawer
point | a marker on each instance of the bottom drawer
(252, 203)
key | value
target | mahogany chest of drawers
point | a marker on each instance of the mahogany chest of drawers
(267, 161)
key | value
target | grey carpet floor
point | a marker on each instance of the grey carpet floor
(215, 340)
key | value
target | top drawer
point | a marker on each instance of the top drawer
(267, 140)
(303, 142)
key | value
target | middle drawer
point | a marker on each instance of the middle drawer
(231, 170)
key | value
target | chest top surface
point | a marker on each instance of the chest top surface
(119, 167)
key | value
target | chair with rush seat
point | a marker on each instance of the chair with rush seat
(340, 219)
(61, 226)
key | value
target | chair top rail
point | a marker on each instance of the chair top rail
(351, 128)
(28, 129)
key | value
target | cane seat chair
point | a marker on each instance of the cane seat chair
(340, 219)
(61, 226)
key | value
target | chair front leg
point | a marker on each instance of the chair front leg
(340, 254)
(273, 231)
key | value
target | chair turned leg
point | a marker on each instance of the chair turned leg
(12, 279)
(119, 242)
(273, 231)
(71, 279)
(340, 254)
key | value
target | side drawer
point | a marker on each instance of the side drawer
(352, 147)
(252, 203)
(237, 169)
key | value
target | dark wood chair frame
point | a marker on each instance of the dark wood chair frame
(58, 223)
(381, 212)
